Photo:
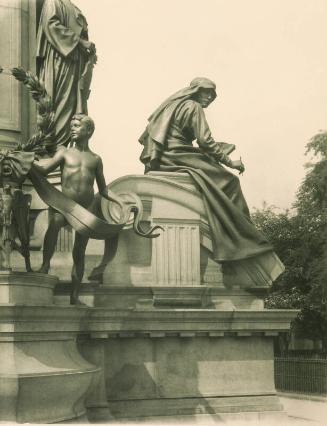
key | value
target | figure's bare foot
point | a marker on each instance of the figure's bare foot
(94, 276)
(44, 269)
(75, 301)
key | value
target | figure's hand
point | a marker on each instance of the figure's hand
(120, 203)
(88, 46)
(111, 196)
(238, 165)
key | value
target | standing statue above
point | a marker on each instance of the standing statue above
(65, 60)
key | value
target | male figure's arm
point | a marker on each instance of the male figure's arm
(103, 190)
(51, 164)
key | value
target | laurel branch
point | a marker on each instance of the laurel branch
(42, 142)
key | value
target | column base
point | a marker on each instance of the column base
(26, 288)
(45, 382)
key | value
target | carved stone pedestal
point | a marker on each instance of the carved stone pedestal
(180, 342)
(182, 255)
(43, 377)
(185, 363)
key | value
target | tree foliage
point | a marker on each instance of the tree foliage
(299, 237)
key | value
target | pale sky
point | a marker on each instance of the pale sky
(267, 57)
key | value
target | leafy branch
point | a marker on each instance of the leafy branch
(42, 141)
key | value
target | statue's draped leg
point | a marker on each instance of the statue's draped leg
(21, 209)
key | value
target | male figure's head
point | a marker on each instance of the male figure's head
(81, 128)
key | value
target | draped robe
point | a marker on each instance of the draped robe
(62, 65)
(168, 146)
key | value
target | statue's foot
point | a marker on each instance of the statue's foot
(94, 276)
(44, 269)
(75, 301)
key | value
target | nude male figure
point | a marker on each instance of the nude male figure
(79, 168)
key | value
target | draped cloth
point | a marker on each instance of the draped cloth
(95, 222)
(167, 146)
(82, 220)
(63, 68)
(154, 137)
(16, 164)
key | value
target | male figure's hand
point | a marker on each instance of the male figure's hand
(121, 203)
(112, 196)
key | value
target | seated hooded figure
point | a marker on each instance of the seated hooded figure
(168, 147)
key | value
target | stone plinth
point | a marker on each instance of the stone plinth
(26, 288)
(173, 361)
(182, 256)
(190, 374)
(164, 336)
(176, 259)
(178, 339)
(189, 362)
(43, 377)
(177, 268)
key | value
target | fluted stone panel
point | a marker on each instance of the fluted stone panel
(176, 256)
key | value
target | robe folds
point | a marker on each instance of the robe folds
(61, 63)
(237, 244)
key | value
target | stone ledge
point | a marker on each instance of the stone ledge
(27, 278)
(26, 288)
(189, 320)
(145, 297)
(64, 288)
(182, 334)
(248, 407)
(45, 322)
(63, 319)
